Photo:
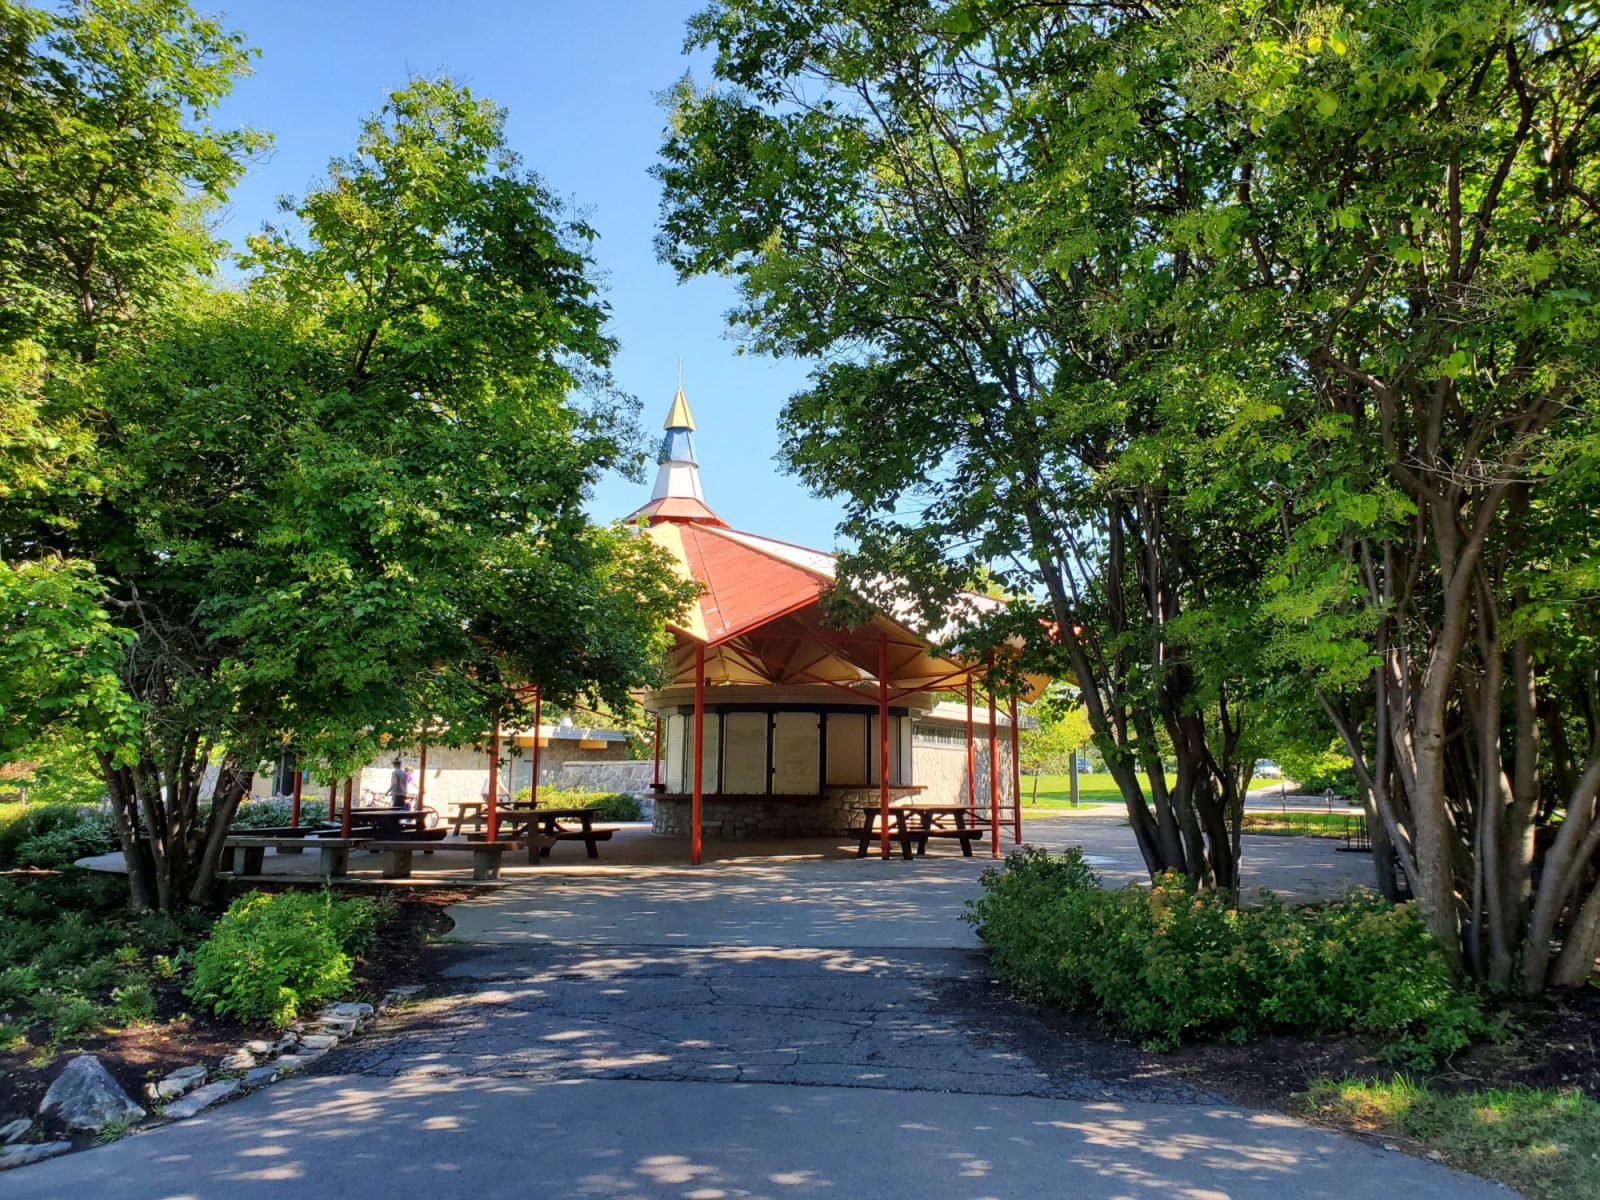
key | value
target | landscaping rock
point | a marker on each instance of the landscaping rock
(202, 1098)
(259, 1076)
(84, 1096)
(14, 1131)
(239, 1060)
(184, 1079)
(336, 1026)
(260, 1048)
(409, 991)
(21, 1156)
(319, 1041)
(286, 1043)
(348, 1011)
(293, 1062)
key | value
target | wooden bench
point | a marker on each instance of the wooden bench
(967, 835)
(485, 855)
(868, 836)
(249, 853)
(589, 837)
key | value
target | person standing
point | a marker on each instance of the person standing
(397, 786)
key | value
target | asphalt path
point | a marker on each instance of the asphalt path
(789, 1029)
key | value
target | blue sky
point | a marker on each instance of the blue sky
(579, 80)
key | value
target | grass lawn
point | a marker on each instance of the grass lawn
(1055, 791)
(1299, 824)
(1542, 1142)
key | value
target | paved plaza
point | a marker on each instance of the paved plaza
(815, 1025)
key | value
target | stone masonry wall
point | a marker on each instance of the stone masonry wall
(630, 778)
(770, 816)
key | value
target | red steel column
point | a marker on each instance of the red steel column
(883, 742)
(1016, 778)
(695, 804)
(538, 725)
(333, 800)
(655, 771)
(349, 792)
(492, 824)
(492, 821)
(972, 761)
(994, 777)
(422, 776)
(295, 810)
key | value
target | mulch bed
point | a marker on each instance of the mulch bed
(182, 1036)
(1551, 1043)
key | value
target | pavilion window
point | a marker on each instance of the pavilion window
(675, 737)
(847, 748)
(796, 740)
(711, 754)
(744, 754)
(899, 749)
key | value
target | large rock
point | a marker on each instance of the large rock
(15, 1131)
(84, 1096)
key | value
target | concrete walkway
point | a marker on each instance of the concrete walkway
(815, 1027)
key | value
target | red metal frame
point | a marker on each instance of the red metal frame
(1016, 778)
(972, 761)
(422, 776)
(696, 804)
(538, 732)
(492, 824)
(294, 818)
(655, 771)
(994, 778)
(883, 743)
(333, 798)
(349, 793)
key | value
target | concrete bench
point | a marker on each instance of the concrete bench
(485, 855)
(249, 853)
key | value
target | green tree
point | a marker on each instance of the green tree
(899, 192)
(1261, 339)
(344, 500)
(1418, 238)
(1061, 730)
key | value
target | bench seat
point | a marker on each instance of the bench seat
(919, 837)
(485, 855)
(249, 853)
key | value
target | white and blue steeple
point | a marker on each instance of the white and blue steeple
(677, 495)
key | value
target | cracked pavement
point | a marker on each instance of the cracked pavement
(892, 1019)
(795, 1028)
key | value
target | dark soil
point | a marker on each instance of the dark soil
(1552, 1043)
(181, 1036)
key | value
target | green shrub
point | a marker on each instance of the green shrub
(271, 814)
(21, 823)
(65, 843)
(1165, 962)
(269, 956)
(608, 806)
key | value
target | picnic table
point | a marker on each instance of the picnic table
(932, 821)
(542, 827)
(392, 823)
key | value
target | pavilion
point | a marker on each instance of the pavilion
(772, 722)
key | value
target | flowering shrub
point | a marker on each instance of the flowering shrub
(1166, 962)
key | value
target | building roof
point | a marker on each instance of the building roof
(760, 610)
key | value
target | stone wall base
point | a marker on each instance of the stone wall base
(832, 815)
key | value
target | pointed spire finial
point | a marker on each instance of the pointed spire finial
(679, 417)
